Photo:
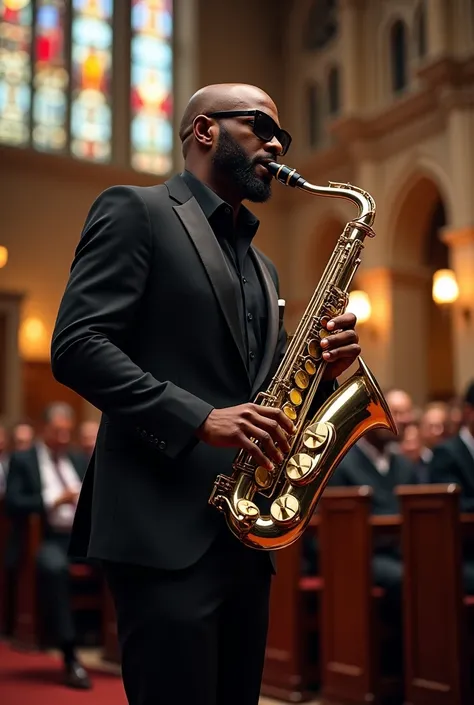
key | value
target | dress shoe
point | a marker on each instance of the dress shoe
(76, 676)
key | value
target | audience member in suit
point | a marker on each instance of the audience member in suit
(403, 412)
(4, 459)
(88, 431)
(23, 435)
(370, 462)
(46, 479)
(419, 439)
(453, 461)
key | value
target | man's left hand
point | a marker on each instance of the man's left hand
(342, 348)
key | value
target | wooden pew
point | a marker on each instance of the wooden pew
(352, 628)
(436, 612)
(28, 631)
(287, 671)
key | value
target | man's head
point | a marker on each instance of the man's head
(227, 149)
(88, 436)
(58, 424)
(23, 435)
(434, 424)
(411, 444)
(401, 406)
(3, 439)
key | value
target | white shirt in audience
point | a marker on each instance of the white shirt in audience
(52, 488)
(380, 460)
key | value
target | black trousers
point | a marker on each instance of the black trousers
(54, 589)
(195, 635)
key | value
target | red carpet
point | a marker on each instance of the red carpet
(35, 678)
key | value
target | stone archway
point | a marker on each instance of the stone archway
(423, 360)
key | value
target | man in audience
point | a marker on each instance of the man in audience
(87, 437)
(4, 460)
(46, 479)
(403, 411)
(453, 461)
(419, 439)
(23, 436)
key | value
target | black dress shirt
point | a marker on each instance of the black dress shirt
(235, 240)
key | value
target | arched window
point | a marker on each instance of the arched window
(56, 79)
(334, 97)
(314, 116)
(398, 56)
(420, 31)
(321, 24)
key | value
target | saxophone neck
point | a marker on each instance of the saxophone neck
(360, 198)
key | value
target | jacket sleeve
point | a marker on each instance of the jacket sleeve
(102, 298)
(444, 469)
(18, 500)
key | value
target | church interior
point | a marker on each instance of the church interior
(375, 604)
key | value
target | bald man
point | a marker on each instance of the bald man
(170, 326)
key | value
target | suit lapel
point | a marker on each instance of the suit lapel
(205, 242)
(273, 322)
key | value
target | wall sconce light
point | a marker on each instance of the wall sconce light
(33, 338)
(359, 304)
(3, 256)
(445, 288)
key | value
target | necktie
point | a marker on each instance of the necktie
(59, 472)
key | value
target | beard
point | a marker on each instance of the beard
(238, 169)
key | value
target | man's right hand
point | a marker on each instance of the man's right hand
(67, 497)
(235, 426)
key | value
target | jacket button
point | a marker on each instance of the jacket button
(162, 445)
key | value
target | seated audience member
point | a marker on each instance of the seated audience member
(23, 436)
(455, 407)
(372, 462)
(418, 440)
(46, 480)
(87, 437)
(453, 461)
(403, 411)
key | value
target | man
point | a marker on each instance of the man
(169, 325)
(453, 461)
(23, 436)
(4, 458)
(371, 462)
(46, 480)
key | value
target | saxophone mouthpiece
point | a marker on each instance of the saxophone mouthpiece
(285, 174)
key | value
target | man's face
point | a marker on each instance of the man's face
(401, 407)
(57, 433)
(23, 436)
(239, 153)
(434, 426)
(411, 442)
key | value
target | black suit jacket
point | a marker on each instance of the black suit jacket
(23, 493)
(357, 469)
(148, 331)
(452, 462)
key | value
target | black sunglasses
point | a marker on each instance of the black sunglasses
(264, 127)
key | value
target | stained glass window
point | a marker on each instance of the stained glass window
(15, 71)
(151, 134)
(50, 77)
(91, 111)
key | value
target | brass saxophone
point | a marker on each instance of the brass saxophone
(319, 443)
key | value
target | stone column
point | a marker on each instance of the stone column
(461, 244)
(351, 41)
(437, 28)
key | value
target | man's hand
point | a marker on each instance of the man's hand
(235, 426)
(342, 348)
(67, 497)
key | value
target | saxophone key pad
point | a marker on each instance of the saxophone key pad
(309, 366)
(301, 379)
(315, 436)
(248, 509)
(290, 411)
(285, 509)
(299, 466)
(314, 349)
(263, 477)
(296, 397)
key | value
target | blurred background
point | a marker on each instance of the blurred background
(379, 93)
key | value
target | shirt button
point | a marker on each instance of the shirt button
(249, 316)
(244, 280)
(252, 355)
(227, 210)
(162, 445)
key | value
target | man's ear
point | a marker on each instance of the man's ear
(205, 130)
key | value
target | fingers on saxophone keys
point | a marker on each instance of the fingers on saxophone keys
(350, 351)
(340, 340)
(345, 321)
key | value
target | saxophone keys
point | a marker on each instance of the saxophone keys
(301, 379)
(290, 411)
(310, 366)
(299, 466)
(285, 509)
(315, 436)
(314, 349)
(296, 397)
(263, 477)
(247, 509)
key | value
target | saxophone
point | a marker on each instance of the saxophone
(294, 487)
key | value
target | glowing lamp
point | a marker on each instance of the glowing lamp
(445, 287)
(3, 256)
(359, 305)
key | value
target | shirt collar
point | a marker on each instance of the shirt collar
(210, 203)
